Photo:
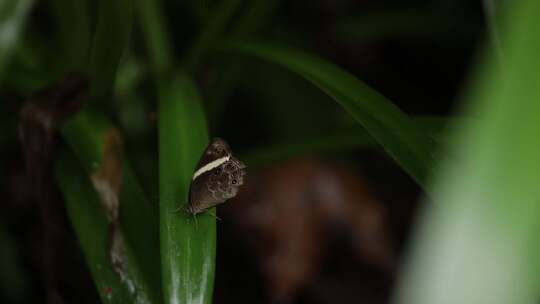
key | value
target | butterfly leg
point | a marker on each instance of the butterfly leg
(180, 208)
(214, 215)
(196, 223)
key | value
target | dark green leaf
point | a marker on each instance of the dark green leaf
(253, 19)
(153, 28)
(13, 15)
(110, 40)
(390, 127)
(88, 134)
(344, 139)
(73, 27)
(211, 31)
(92, 228)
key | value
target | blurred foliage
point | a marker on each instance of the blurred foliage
(478, 242)
(13, 15)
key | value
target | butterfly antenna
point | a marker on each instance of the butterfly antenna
(214, 215)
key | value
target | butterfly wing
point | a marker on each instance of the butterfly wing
(216, 186)
(217, 177)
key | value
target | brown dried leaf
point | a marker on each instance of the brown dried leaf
(117, 249)
(107, 179)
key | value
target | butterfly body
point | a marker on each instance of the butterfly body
(217, 177)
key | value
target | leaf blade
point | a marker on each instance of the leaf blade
(187, 251)
(13, 16)
(481, 236)
(390, 127)
(86, 135)
(110, 40)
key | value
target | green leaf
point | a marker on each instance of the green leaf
(339, 140)
(200, 9)
(13, 14)
(479, 242)
(153, 28)
(73, 27)
(91, 226)
(254, 17)
(188, 244)
(211, 31)
(492, 25)
(390, 127)
(88, 135)
(110, 40)
(393, 22)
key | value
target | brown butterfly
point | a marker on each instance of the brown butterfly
(217, 177)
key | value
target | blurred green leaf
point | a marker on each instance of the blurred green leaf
(391, 23)
(390, 127)
(87, 135)
(154, 30)
(13, 14)
(36, 63)
(252, 20)
(187, 248)
(339, 140)
(215, 26)
(254, 17)
(73, 27)
(90, 223)
(492, 24)
(479, 242)
(131, 73)
(334, 141)
(200, 9)
(110, 40)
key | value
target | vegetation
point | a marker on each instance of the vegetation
(133, 103)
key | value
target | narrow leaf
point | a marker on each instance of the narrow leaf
(214, 27)
(92, 228)
(154, 30)
(73, 27)
(89, 135)
(13, 14)
(479, 242)
(390, 127)
(344, 139)
(110, 40)
(188, 244)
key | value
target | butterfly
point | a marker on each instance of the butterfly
(217, 177)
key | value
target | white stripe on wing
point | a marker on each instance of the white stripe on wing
(211, 165)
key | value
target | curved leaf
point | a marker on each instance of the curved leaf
(13, 15)
(93, 231)
(390, 127)
(110, 40)
(73, 27)
(479, 242)
(87, 134)
(215, 25)
(153, 28)
(344, 139)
